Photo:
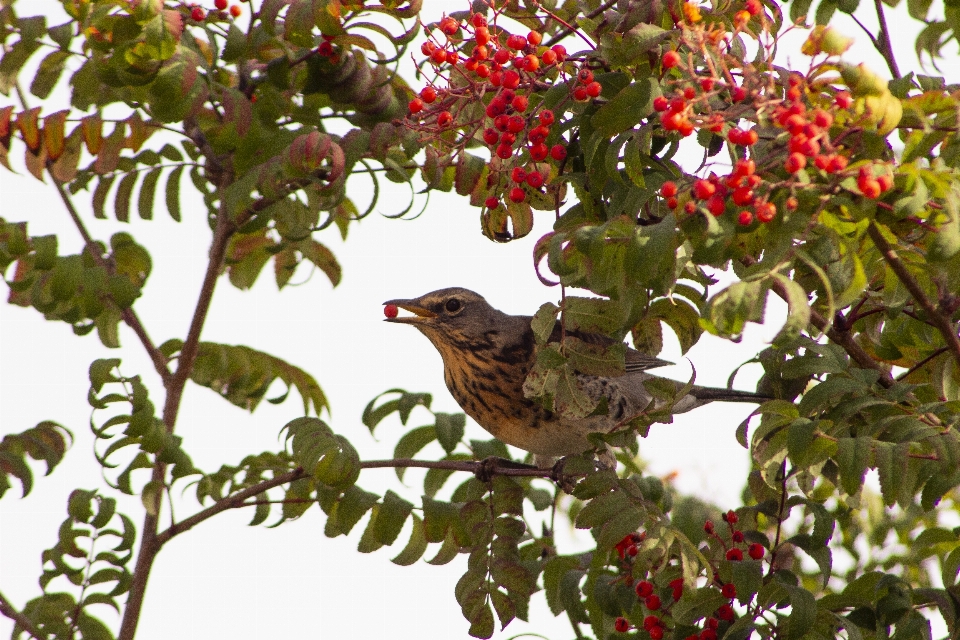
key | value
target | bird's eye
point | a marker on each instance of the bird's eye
(453, 305)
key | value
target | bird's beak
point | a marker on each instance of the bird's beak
(421, 314)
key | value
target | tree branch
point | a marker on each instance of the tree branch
(937, 319)
(454, 465)
(23, 621)
(129, 315)
(233, 502)
(883, 43)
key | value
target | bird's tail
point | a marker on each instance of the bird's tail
(709, 394)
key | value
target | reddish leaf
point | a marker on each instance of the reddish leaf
(28, 123)
(92, 133)
(53, 133)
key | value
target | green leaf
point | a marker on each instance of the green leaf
(173, 193)
(627, 108)
(349, 509)
(393, 513)
(449, 428)
(148, 190)
(544, 320)
(415, 547)
(48, 73)
(798, 315)
(803, 612)
(853, 458)
(411, 443)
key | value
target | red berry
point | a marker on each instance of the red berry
(729, 590)
(706, 84)
(703, 189)
(725, 612)
(744, 218)
(478, 20)
(517, 42)
(594, 89)
(743, 196)
(538, 152)
(427, 48)
(669, 189)
(532, 63)
(518, 175)
(452, 57)
(492, 202)
(621, 625)
(580, 94)
(538, 134)
(428, 94)
(504, 152)
(656, 633)
(534, 38)
(516, 124)
(511, 79)
(886, 182)
(535, 180)
(677, 585)
(822, 119)
(838, 163)
(585, 76)
(795, 162)
(546, 117)
(756, 551)
(737, 536)
(517, 194)
(716, 205)
(731, 517)
(708, 634)
(490, 136)
(670, 59)
(685, 128)
(502, 56)
(766, 212)
(735, 555)
(519, 104)
(738, 94)
(483, 70)
(689, 93)
(439, 56)
(236, 10)
(644, 589)
(198, 14)
(508, 138)
(549, 57)
(672, 203)
(220, 4)
(416, 105)
(712, 623)
(390, 311)
(708, 526)
(444, 119)
(744, 167)
(749, 138)
(843, 100)
(652, 602)
(449, 26)
(481, 35)
(560, 50)
(753, 7)
(660, 103)
(651, 622)
(870, 187)
(791, 204)
(558, 152)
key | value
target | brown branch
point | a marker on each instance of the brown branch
(563, 33)
(23, 621)
(937, 319)
(233, 502)
(454, 465)
(129, 315)
(883, 43)
(906, 374)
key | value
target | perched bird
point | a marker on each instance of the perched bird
(487, 355)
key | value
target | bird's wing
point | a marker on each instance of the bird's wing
(633, 359)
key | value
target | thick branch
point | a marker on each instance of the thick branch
(129, 315)
(939, 320)
(233, 502)
(23, 621)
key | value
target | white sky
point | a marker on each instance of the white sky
(224, 579)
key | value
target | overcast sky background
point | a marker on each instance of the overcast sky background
(224, 579)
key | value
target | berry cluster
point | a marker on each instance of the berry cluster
(658, 596)
(478, 63)
(199, 14)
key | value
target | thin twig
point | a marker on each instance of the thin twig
(233, 502)
(563, 33)
(883, 43)
(454, 465)
(129, 315)
(939, 320)
(783, 504)
(22, 621)
(906, 374)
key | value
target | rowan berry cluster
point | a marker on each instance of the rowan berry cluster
(476, 62)
(803, 147)
(658, 595)
(199, 14)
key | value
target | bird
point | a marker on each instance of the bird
(487, 355)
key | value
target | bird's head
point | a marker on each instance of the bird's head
(448, 316)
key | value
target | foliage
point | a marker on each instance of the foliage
(830, 187)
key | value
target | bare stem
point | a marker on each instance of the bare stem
(22, 621)
(883, 42)
(233, 502)
(129, 315)
(939, 320)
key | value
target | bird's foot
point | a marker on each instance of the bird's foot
(565, 482)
